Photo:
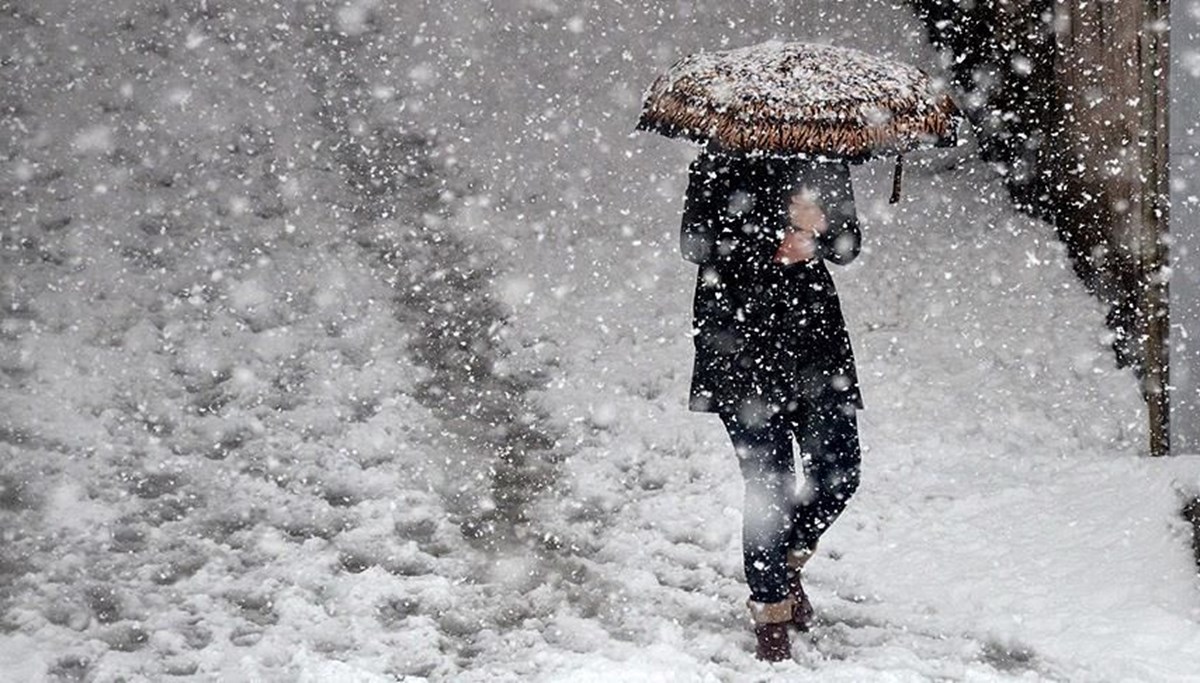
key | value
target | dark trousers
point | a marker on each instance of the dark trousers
(780, 512)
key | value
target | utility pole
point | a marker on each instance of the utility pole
(1153, 247)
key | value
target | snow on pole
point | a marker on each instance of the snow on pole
(1153, 299)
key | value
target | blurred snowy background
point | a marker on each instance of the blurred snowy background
(349, 341)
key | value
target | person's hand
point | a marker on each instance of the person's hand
(797, 246)
(805, 215)
(806, 222)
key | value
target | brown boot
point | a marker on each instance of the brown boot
(771, 629)
(802, 609)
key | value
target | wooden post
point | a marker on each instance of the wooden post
(1153, 255)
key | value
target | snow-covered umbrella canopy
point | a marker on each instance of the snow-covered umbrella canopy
(800, 98)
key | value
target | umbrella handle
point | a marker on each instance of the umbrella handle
(896, 179)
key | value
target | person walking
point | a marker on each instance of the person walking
(773, 358)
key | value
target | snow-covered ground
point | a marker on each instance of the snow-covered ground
(262, 416)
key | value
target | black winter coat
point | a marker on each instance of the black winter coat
(768, 337)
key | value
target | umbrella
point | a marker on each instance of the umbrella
(801, 99)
